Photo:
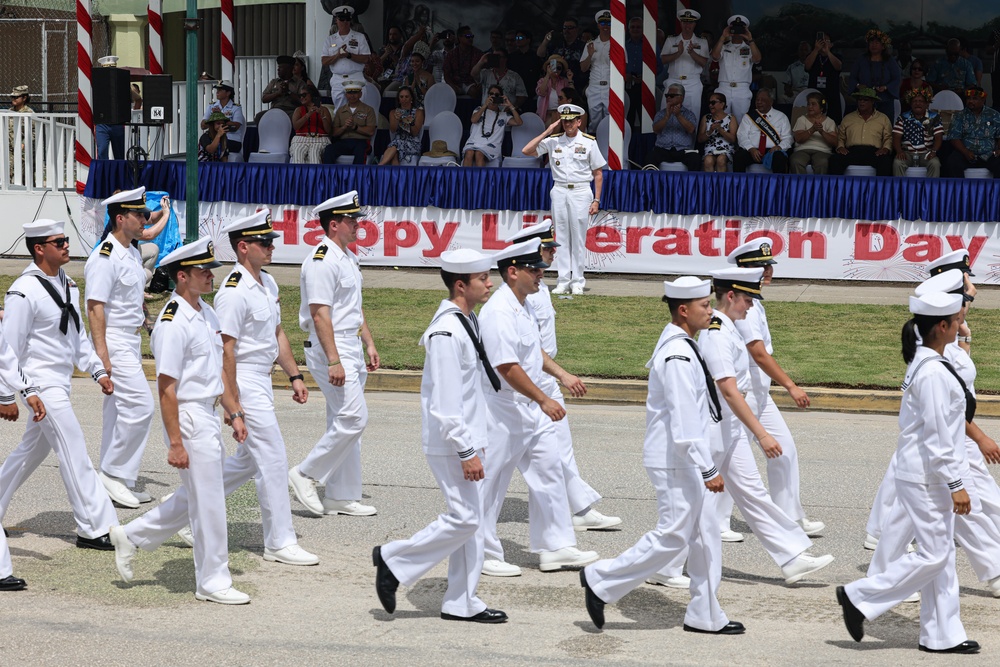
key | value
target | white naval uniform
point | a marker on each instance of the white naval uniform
(454, 430)
(521, 435)
(249, 311)
(47, 356)
(115, 277)
(727, 357)
(187, 345)
(684, 71)
(735, 76)
(930, 459)
(345, 69)
(678, 460)
(580, 494)
(572, 161)
(599, 88)
(332, 277)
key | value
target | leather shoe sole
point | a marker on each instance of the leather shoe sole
(102, 543)
(485, 616)
(730, 628)
(386, 582)
(12, 583)
(967, 646)
(853, 618)
(595, 605)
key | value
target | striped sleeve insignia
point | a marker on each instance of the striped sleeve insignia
(715, 324)
(320, 253)
(106, 248)
(169, 312)
(234, 279)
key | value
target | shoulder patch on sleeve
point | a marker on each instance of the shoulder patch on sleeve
(715, 324)
(589, 136)
(440, 333)
(15, 293)
(679, 357)
(106, 248)
(169, 312)
(234, 279)
(320, 253)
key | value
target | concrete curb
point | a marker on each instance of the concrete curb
(633, 392)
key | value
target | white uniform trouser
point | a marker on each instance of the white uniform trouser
(927, 512)
(335, 459)
(692, 92)
(686, 523)
(571, 215)
(597, 104)
(738, 98)
(6, 568)
(262, 457)
(128, 412)
(453, 535)
(60, 432)
(337, 88)
(782, 472)
(200, 500)
(579, 494)
(523, 437)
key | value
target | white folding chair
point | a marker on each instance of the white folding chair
(447, 127)
(531, 126)
(275, 133)
(439, 97)
(946, 100)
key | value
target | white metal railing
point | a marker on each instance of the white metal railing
(37, 151)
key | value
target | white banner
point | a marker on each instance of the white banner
(647, 243)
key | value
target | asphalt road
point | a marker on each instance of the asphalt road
(77, 611)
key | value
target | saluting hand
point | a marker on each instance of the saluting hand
(554, 126)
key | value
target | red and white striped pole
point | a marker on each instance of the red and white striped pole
(616, 94)
(155, 13)
(650, 58)
(84, 93)
(226, 41)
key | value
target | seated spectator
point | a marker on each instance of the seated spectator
(405, 123)
(764, 137)
(523, 59)
(285, 91)
(556, 75)
(965, 50)
(354, 126)
(568, 95)
(864, 137)
(815, 135)
(675, 127)
(914, 82)
(236, 123)
(492, 70)
(390, 55)
(878, 71)
(824, 68)
(312, 125)
(300, 72)
(489, 123)
(797, 74)
(953, 72)
(975, 136)
(917, 136)
(718, 133)
(418, 78)
(458, 65)
(213, 146)
(496, 41)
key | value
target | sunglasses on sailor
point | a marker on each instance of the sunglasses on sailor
(59, 243)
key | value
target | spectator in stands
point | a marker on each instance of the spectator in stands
(405, 124)
(569, 46)
(917, 136)
(403, 65)
(418, 78)
(737, 53)
(764, 137)
(458, 65)
(523, 59)
(633, 69)
(225, 102)
(510, 40)
(824, 68)
(313, 126)
(596, 61)
(213, 145)
(492, 70)
(864, 137)
(496, 41)
(285, 91)
(965, 50)
(19, 99)
(345, 54)
(354, 126)
(373, 64)
(815, 135)
(904, 58)
(568, 95)
(877, 71)
(300, 71)
(435, 64)
(718, 133)
(390, 55)
(953, 72)
(797, 74)
(675, 127)
(489, 123)
(975, 136)
(914, 82)
(556, 75)
(685, 56)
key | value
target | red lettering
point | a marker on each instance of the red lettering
(633, 238)
(528, 219)
(816, 241)
(922, 248)
(875, 241)
(777, 243)
(975, 246)
(439, 242)
(603, 239)
(288, 226)
(490, 239)
(314, 234)
(675, 241)
(706, 233)
(393, 241)
(367, 234)
(732, 235)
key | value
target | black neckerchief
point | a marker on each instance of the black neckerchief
(714, 407)
(65, 306)
(473, 331)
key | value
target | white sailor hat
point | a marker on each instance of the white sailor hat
(746, 280)
(570, 111)
(130, 200)
(686, 288)
(603, 15)
(936, 303)
(542, 231)
(951, 281)
(253, 227)
(343, 9)
(345, 204)
(958, 259)
(465, 260)
(198, 254)
(688, 15)
(108, 61)
(523, 254)
(353, 85)
(752, 253)
(43, 228)
(739, 17)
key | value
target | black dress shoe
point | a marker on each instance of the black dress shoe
(485, 616)
(12, 583)
(386, 582)
(853, 618)
(5, 533)
(967, 646)
(730, 628)
(102, 543)
(595, 605)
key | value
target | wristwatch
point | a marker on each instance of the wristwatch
(234, 415)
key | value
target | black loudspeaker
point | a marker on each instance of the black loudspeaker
(157, 99)
(112, 101)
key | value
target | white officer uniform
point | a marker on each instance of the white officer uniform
(685, 71)
(736, 74)
(344, 69)
(187, 345)
(232, 111)
(332, 277)
(452, 394)
(678, 460)
(599, 86)
(572, 161)
(48, 341)
(115, 277)
(930, 458)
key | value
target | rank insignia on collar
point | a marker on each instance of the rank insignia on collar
(106, 248)
(320, 252)
(234, 279)
(169, 312)
(715, 324)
